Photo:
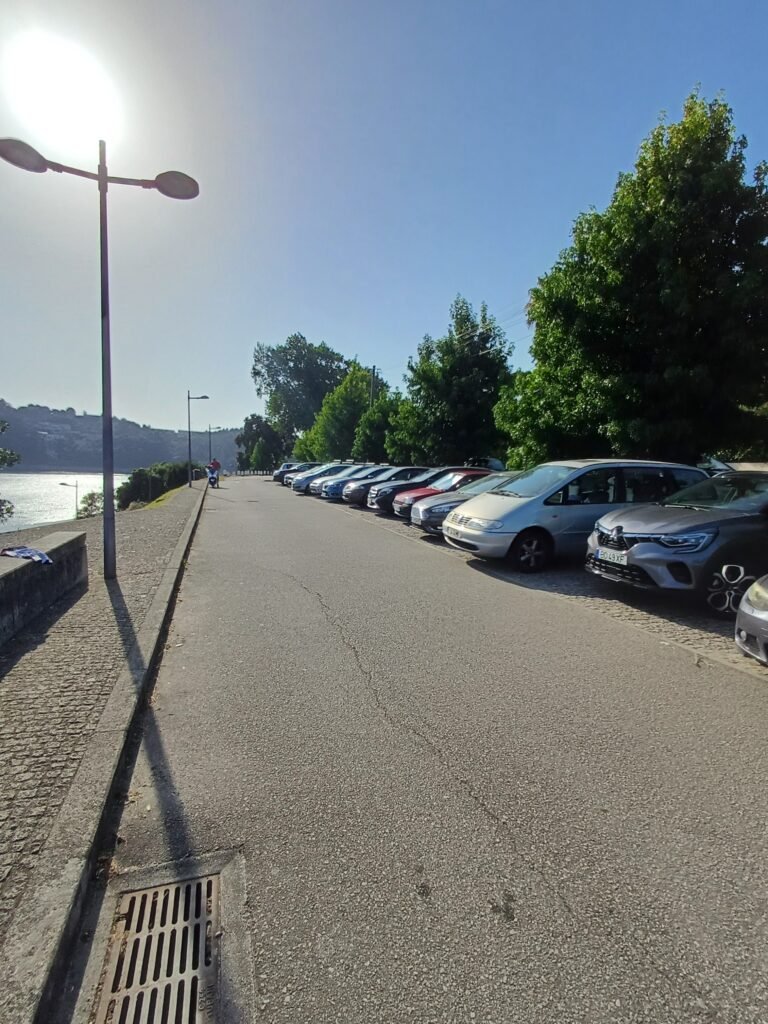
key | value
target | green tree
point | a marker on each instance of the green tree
(333, 432)
(452, 387)
(257, 430)
(91, 504)
(294, 378)
(7, 458)
(261, 459)
(305, 447)
(650, 330)
(374, 426)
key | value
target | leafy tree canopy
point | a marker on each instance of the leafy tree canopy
(375, 423)
(258, 431)
(294, 378)
(452, 387)
(650, 330)
(333, 433)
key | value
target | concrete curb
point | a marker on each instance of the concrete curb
(36, 952)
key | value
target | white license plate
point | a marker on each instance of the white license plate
(606, 555)
(451, 531)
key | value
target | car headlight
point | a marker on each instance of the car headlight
(599, 528)
(485, 524)
(686, 541)
(384, 492)
(440, 510)
(757, 595)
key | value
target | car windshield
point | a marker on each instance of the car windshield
(535, 481)
(486, 483)
(447, 481)
(747, 492)
(423, 478)
(356, 471)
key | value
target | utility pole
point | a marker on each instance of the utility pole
(373, 379)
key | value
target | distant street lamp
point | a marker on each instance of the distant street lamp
(63, 483)
(173, 184)
(209, 441)
(190, 399)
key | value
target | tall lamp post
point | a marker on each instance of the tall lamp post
(63, 483)
(209, 442)
(173, 184)
(190, 399)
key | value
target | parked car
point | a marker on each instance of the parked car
(300, 483)
(551, 509)
(710, 538)
(404, 502)
(382, 496)
(356, 492)
(333, 489)
(316, 487)
(428, 513)
(495, 465)
(752, 621)
(301, 467)
(280, 472)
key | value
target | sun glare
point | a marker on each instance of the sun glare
(61, 95)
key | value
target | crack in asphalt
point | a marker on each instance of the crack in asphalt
(706, 1013)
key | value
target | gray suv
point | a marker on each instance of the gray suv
(710, 538)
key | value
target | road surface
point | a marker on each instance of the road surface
(453, 798)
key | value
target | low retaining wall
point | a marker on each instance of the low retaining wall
(26, 587)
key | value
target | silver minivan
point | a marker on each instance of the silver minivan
(552, 508)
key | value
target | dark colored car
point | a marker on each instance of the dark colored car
(280, 472)
(356, 492)
(428, 513)
(382, 496)
(333, 489)
(710, 538)
(404, 502)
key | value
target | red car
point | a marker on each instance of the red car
(403, 503)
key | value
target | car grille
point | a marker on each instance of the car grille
(623, 541)
(626, 573)
(460, 520)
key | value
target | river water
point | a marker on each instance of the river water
(42, 498)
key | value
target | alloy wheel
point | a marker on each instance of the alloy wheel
(726, 588)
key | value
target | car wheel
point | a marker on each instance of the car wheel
(531, 551)
(726, 587)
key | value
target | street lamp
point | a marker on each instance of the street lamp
(209, 441)
(191, 398)
(63, 483)
(173, 184)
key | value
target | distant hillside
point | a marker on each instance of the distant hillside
(60, 439)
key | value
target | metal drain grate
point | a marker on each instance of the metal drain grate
(162, 963)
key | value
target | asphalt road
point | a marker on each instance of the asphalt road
(456, 799)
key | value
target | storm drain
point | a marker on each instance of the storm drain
(162, 963)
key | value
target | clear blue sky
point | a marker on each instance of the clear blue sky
(360, 161)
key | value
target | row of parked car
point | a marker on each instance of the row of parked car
(654, 525)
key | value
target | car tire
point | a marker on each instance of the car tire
(531, 551)
(725, 588)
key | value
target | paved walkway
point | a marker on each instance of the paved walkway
(56, 676)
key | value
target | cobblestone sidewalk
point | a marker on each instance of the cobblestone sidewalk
(56, 676)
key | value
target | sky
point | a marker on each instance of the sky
(360, 163)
